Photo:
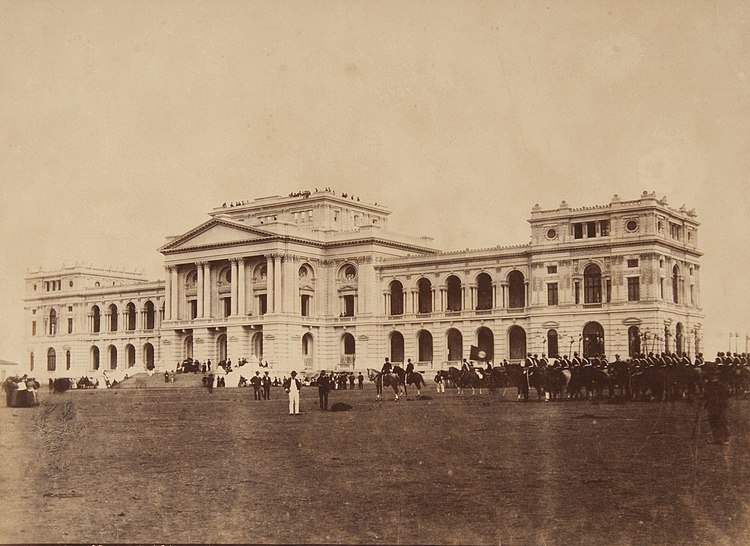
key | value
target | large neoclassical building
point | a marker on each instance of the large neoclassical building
(316, 280)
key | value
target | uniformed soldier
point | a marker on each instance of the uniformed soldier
(386, 366)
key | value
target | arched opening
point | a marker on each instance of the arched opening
(397, 298)
(397, 347)
(112, 357)
(308, 351)
(221, 347)
(258, 345)
(130, 355)
(675, 284)
(188, 346)
(51, 360)
(424, 344)
(148, 356)
(131, 316)
(486, 342)
(679, 338)
(150, 315)
(454, 293)
(96, 316)
(94, 358)
(113, 318)
(553, 349)
(593, 340)
(52, 325)
(455, 345)
(592, 284)
(516, 291)
(516, 343)
(484, 291)
(348, 350)
(634, 341)
(425, 295)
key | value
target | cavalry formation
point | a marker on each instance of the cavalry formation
(660, 377)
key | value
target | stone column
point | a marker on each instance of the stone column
(270, 274)
(526, 302)
(167, 294)
(199, 288)
(175, 295)
(473, 290)
(387, 300)
(494, 295)
(278, 273)
(433, 295)
(463, 297)
(241, 287)
(207, 289)
(504, 286)
(233, 264)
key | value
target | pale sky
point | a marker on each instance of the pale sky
(124, 122)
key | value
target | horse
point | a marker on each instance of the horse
(525, 378)
(416, 379)
(465, 378)
(388, 380)
(557, 380)
(620, 374)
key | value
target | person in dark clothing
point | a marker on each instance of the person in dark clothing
(257, 386)
(716, 400)
(324, 386)
(361, 380)
(386, 366)
(266, 386)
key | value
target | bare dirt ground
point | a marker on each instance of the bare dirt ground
(181, 465)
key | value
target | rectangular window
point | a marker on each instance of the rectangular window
(305, 301)
(578, 231)
(552, 293)
(692, 294)
(590, 229)
(193, 309)
(226, 307)
(633, 263)
(578, 292)
(634, 289)
(70, 325)
(551, 269)
(70, 308)
(608, 286)
(661, 288)
(604, 228)
(33, 327)
(59, 285)
(262, 304)
(348, 306)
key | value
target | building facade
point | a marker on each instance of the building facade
(317, 281)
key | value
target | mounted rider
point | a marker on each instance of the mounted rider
(409, 370)
(387, 368)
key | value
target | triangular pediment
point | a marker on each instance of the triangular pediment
(215, 232)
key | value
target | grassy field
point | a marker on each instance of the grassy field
(181, 465)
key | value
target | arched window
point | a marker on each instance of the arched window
(129, 355)
(397, 298)
(593, 340)
(516, 343)
(516, 291)
(455, 345)
(397, 347)
(676, 284)
(113, 318)
(592, 284)
(96, 316)
(552, 348)
(131, 316)
(189, 347)
(486, 342)
(52, 322)
(425, 295)
(634, 341)
(94, 358)
(150, 315)
(484, 291)
(51, 360)
(424, 342)
(148, 356)
(257, 344)
(308, 350)
(112, 357)
(348, 350)
(454, 293)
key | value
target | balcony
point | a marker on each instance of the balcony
(592, 305)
